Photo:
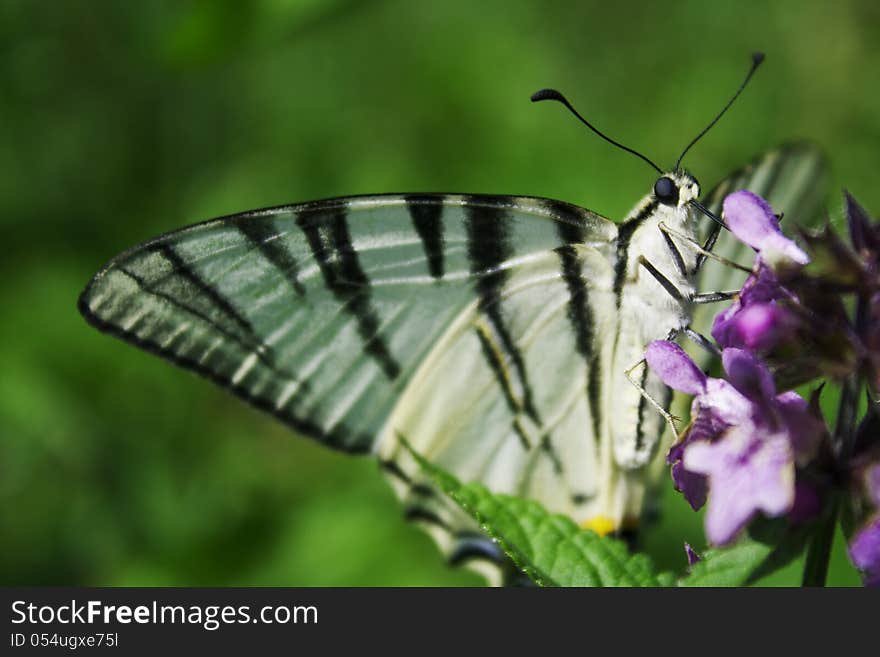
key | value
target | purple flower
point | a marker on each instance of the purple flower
(675, 368)
(759, 327)
(864, 550)
(751, 219)
(716, 406)
(694, 487)
(794, 319)
(721, 404)
(743, 442)
(751, 466)
(759, 318)
(750, 469)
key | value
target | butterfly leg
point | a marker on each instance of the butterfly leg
(705, 297)
(668, 285)
(701, 249)
(701, 341)
(708, 245)
(670, 419)
(676, 254)
(675, 293)
(713, 297)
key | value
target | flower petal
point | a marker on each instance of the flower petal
(694, 487)
(702, 456)
(779, 250)
(723, 324)
(872, 479)
(674, 367)
(761, 327)
(752, 221)
(692, 555)
(749, 471)
(763, 286)
(748, 374)
(723, 406)
(864, 550)
(750, 218)
(805, 430)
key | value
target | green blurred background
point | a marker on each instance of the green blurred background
(122, 120)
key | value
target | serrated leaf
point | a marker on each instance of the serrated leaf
(550, 548)
(744, 563)
(771, 545)
(731, 566)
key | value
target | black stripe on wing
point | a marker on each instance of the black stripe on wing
(489, 248)
(579, 311)
(494, 356)
(248, 340)
(261, 235)
(195, 287)
(330, 242)
(426, 214)
(582, 322)
(470, 546)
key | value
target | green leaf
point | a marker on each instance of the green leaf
(551, 549)
(731, 566)
(771, 546)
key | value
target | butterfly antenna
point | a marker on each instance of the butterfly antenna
(757, 58)
(552, 94)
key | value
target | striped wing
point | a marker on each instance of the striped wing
(465, 323)
(510, 397)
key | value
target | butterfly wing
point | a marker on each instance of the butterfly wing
(510, 397)
(464, 323)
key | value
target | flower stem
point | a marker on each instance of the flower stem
(819, 550)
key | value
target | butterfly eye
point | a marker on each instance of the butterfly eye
(666, 191)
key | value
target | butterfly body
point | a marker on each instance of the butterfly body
(628, 436)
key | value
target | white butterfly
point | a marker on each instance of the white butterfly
(492, 332)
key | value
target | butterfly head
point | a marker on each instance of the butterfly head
(676, 189)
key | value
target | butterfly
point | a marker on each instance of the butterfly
(495, 334)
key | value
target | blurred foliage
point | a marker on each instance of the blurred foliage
(122, 120)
